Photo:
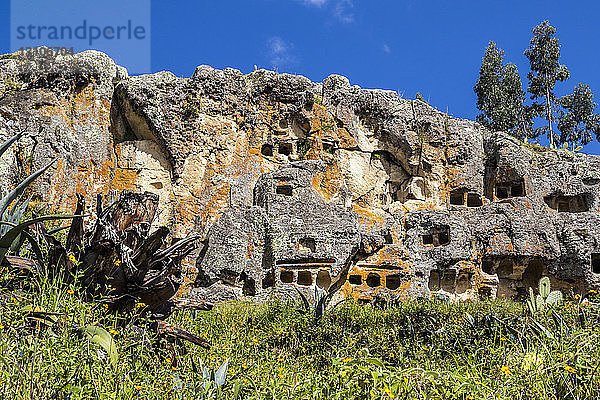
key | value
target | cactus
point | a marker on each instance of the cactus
(545, 298)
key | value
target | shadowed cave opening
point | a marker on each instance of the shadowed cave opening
(574, 204)
(323, 279)
(355, 279)
(285, 148)
(505, 190)
(595, 263)
(474, 200)
(457, 198)
(286, 276)
(392, 282)
(266, 150)
(305, 278)
(307, 245)
(437, 237)
(373, 280)
(285, 190)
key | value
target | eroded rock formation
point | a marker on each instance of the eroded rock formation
(295, 183)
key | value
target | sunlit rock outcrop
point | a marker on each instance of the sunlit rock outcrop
(295, 183)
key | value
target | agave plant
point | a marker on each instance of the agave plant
(321, 300)
(13, 205)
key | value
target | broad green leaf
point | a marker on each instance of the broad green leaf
(16, 192)
(100, 336)
(9, 142)
(10, 236)
(221, 374)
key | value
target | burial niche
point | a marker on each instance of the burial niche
(505, 190)
(574, 204)
(596, 263)
(437, 237)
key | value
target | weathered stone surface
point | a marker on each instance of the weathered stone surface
(295, 183)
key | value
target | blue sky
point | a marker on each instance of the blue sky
(431, 47)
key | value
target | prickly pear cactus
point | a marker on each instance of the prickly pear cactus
(545, 297)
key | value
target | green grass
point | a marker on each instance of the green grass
(418, 349)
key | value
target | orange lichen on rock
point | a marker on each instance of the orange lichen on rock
(328, 183)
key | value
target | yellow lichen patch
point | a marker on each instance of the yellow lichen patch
(390, 256)
(328, 183)
(367, 282)
(123, 179)
(369, 219)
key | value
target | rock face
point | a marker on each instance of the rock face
(296, 184)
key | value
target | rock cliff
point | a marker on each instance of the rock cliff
(295, 183)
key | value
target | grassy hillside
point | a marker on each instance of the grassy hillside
(418, 349)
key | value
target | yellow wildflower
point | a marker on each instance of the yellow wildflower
(570, 369)
(70, 291)
(1, 326)
(505, 369)
(72, 258)
(112, 331)
(347, 359)
(140, 305)
(502, 338)
(532, 361)
(255, 340)
(389, 393)
(117, 262)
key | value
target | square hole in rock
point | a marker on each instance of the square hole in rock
(355, 279)
(269, 280)
(448, 280)
(517, 190)
(392, 282)
(434, 280)
(596, 263)
(501, 192)
(373, 280)
(323, 279)
(427, 239)
(473, 200)
(285, 148)
(305, 278)
(457, 198)
(286, 190)
(286, 276)
(266, 150)
(487, 265)
(307, 245)
(443, 238)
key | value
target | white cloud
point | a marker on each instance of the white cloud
(386, 49)
(317, 3)
(280, 52)
(342, 11)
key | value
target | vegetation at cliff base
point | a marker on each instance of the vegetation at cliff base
(421, 349)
